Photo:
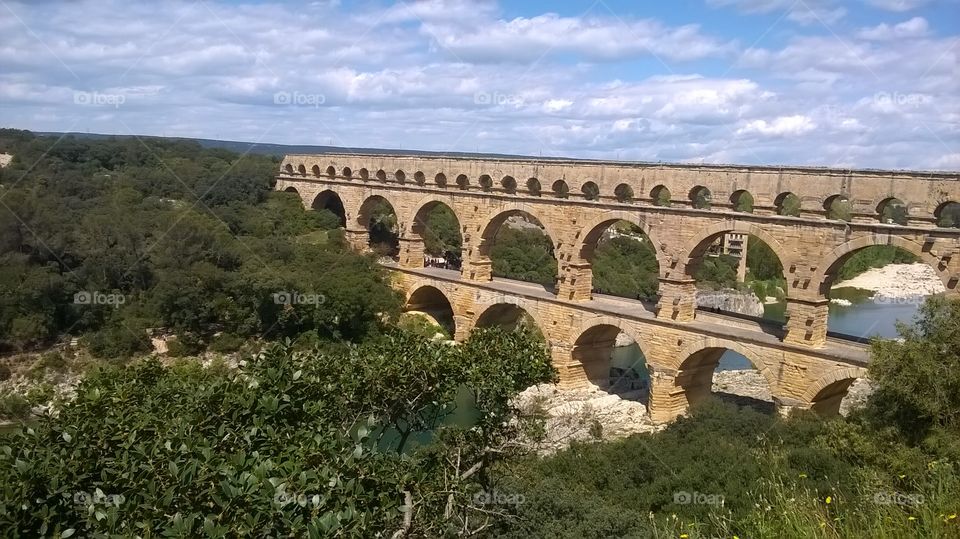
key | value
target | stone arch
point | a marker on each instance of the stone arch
(364, 216)
(419, 218)
(440, 179)
(493, 221)
(787, 204)
(947, 214)
(288, 168)
(700, 197)
(381, 175)
(331, 172)
(487, 229)
(695, 249)
(742, 201)
(400, 176)
(419, 177)
(364, 174)
(509, 184)
(316, 170)
(347, 173)
(435, 303)
(592, 351)
(486, 182)
(330, 200)
(463, 183)
(301, 169)
(533, 187)
(838, 207)
(291, 189)
(892, 210)
(660, 195)
(824, 275)
(590, 190)
(623, 193)
(825, 395)
(699, 360)
(505, 306)
(560, 189)
(587, 242)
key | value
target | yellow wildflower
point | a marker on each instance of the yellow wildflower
(828, 500)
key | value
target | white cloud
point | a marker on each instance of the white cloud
(898, 5)
(783, 126)
(915, 27)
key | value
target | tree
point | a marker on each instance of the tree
(918, 377)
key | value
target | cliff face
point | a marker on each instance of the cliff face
(731, 301)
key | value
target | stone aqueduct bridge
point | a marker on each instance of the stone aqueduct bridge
(803, 365)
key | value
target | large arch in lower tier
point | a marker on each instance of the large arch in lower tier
(825, 395)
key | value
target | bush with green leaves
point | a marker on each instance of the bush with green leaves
(291, 444)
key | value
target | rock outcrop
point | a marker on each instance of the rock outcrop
(731, 301)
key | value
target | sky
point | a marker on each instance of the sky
(861, 83)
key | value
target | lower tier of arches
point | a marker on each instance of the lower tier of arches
(680, 358)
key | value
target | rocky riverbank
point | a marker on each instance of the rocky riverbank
(556, 418)
(732, 301)
(897, 282)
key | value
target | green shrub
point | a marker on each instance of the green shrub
(226, 343)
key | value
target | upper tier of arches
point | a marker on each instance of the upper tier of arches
(884, 202)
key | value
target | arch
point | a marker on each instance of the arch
(509, 184)
(400, 176)
(593, 350)
(700, 197)
(506, 313)
(660, 195)
(291, 189)
(491, 225)
(533, 187)
(420, 227)
(331, 172)
(432, 301)
(364, 174)
(302, 170)
(591, 191)
(892, 210)
(742, 201)
(595, 228)
(330, 200)
(381, 175)
(826, 271)
(486, 182)
(826, 394)
(288, 168)
(560, 189)
(787, 204)
(700, 360)
(316, 170)
(440, 179)
(419, 177)
(381, 232)
(695, 249)
(492, 222)
(948, 214)
(837, 207)
(347, 173)
(463, 182)
(623, 193)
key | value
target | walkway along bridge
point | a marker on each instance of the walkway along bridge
(804, 366)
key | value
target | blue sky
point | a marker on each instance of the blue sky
(862, 83)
